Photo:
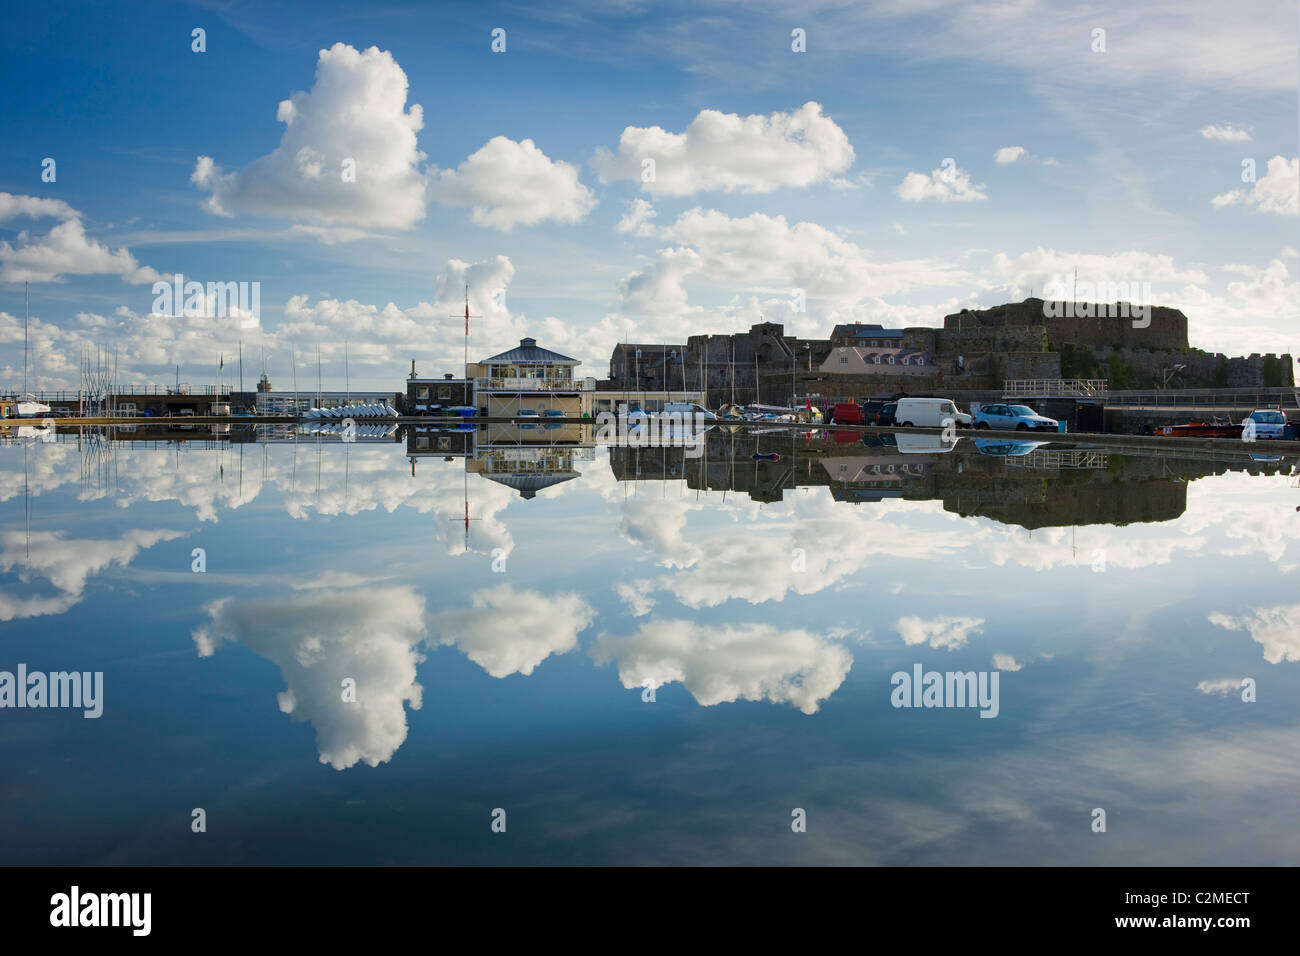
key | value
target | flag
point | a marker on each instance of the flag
(222, 365)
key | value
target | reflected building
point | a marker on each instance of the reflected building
(1029, 484)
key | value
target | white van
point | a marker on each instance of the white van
(928, 413)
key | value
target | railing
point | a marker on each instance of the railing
(1058, 459)
(1091, 387)
(73, 395)
(532, 384)
(1207, 398)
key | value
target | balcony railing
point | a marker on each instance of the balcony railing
(532, 384)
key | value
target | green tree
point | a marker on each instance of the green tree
(1121, 377)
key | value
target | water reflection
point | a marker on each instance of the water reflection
(345, 581)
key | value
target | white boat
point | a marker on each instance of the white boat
(30, 408)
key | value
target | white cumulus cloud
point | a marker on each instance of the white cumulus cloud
(1277, 191)
(1227, 133)
(63, 251)
(946, 184)
(732, 153)
(354, 119)
(509, 184)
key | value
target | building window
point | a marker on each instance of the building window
(891, 360)
(444, 443)
(920, 360)
(422, 442)
(844, 360)
(444, 391)
(422, 392)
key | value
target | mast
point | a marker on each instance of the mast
(347, 375)
(27, 315)
(467, 318)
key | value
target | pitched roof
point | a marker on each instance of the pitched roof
(528, 484)
(530, 353)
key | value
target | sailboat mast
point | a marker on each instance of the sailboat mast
(27, 315)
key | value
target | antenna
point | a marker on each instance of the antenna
(467, 318)
(347, 376)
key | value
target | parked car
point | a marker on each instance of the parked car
(885, 416)
(1018, 418)
(929, 413)
(1269, 422)
(846, 413)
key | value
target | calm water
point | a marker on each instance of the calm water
(504, 617)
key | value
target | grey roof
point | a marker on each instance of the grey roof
(863, 330)
(530, 353)
(528, 484)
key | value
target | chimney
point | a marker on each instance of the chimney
(447, 376)
(412, 368)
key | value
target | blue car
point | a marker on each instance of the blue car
(1018, 418)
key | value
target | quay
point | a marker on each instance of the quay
(1089, 439)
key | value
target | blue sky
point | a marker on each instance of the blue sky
(520, 172)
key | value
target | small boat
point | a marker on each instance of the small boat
(460, 411)
(1200, 430)
(29, 407)
(768, 456)
(527, 413)
(554, 413)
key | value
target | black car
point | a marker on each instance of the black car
(878, 412)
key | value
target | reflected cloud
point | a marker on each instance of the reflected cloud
(1223, 686)
(507, 632)
(725, 664)
(65, 563)
(945, 632)
(320, 638)
(1276, 629)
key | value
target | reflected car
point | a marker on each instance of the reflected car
(1006, 449)
(1017, 418)
(924, 444)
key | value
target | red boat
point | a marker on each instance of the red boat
(1200, 430)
